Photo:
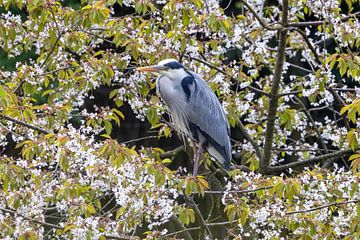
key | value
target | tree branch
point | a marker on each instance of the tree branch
(308, 115)
(254, 89)
(250, 139)
(239, 191)
(46, 224)
(14, 213)
(33, 127)
(274, 97)
(197, 228)
(290, 93)
(323, 206)
(172, 152)
(308, 43)
(284, 167)
(184, 232)
(180, 232)
(203, 225)
(317, 23)
(260, 20)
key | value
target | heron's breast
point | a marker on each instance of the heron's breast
(170, 92)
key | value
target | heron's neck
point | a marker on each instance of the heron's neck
(177, 75)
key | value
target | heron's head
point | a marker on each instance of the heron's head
(170, 68)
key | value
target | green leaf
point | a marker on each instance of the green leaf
(108, 127)
(3, 96)
(185, 18)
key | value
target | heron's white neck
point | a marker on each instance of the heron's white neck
(176, 75)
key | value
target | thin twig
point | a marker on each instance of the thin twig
(312, 121)
(307, 41)
(254, 89)
(197, 228)
(239, 191)
(14, 213)
(290, 93)
(250, 139)
(321, 22)
(346, 89)
(323, 206)
(301, 150)
(260, 19)
(139, 139)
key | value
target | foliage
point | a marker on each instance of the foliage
(287, 75)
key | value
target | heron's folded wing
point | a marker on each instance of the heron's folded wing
(205, 111)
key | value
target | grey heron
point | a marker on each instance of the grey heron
(194, 109)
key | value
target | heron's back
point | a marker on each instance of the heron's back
(197, 113)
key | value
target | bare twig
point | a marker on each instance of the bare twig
(260, 19)
(250, 139)
(323, 206)
(274, 97)
(342, 103)
(301, 150)
(320, 22)
(14, 213)
(254, 89)
(239, 191)
(307, 41)
(346, 89)
(46, 224)
(197, 228)
(312, 121)
(290, 93)
(120, 237)
(139, 139)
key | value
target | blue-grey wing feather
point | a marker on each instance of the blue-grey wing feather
(197, 113)
(205, 111)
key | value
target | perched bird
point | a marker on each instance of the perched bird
(194, 109)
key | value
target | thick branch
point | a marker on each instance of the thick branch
(273, 105)
(33, 127)
(309, 161)
(324, 206)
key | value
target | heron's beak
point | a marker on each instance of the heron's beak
(154, 68)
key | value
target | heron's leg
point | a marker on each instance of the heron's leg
(195, 150)
(197, 160)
